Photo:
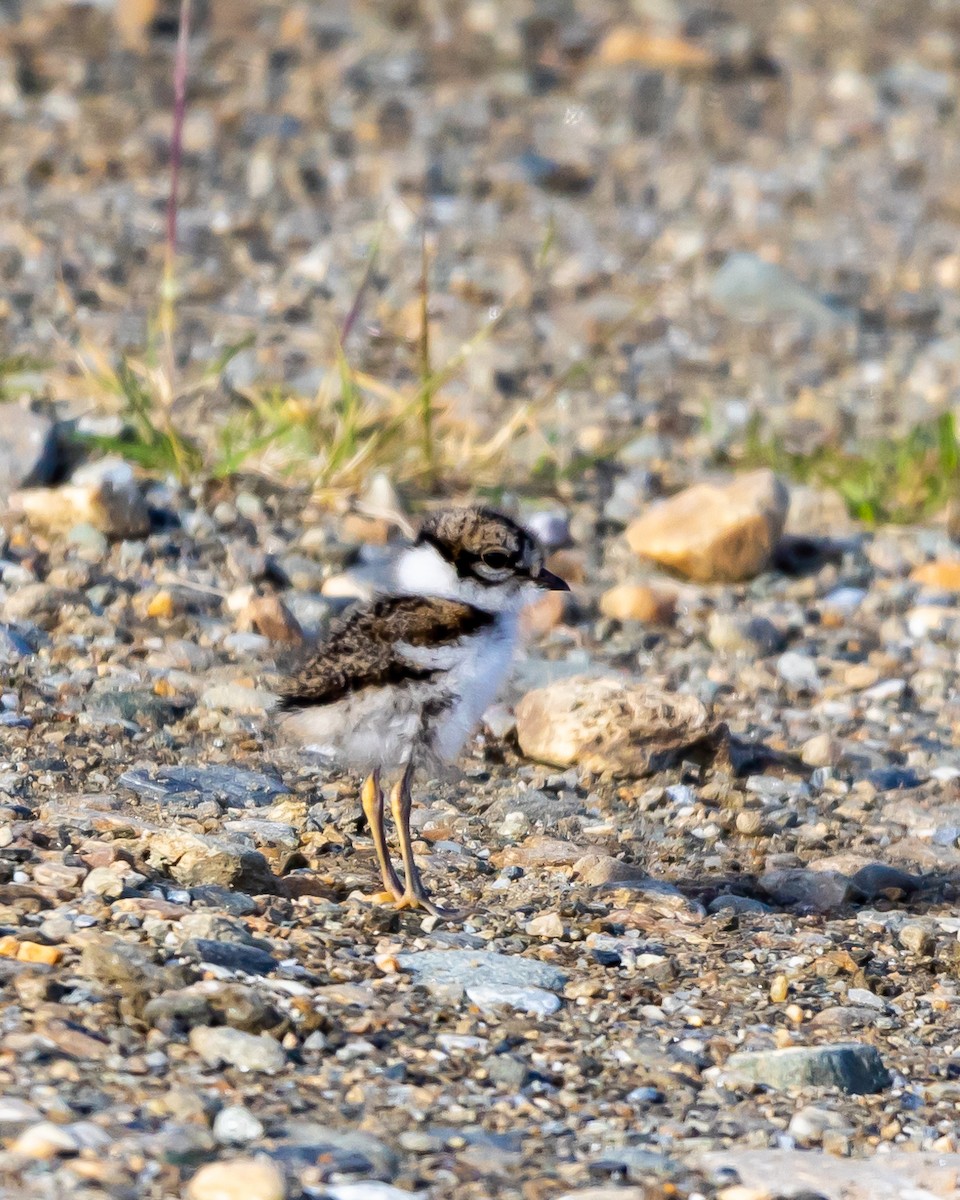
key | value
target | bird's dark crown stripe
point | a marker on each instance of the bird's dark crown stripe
(464, 560)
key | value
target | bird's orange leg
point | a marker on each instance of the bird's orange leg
(371, 798)
(415, 895)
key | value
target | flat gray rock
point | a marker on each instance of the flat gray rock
(851, 1066)
(231, 785)
(462, 969)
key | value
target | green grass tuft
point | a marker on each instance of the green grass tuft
(899, 480)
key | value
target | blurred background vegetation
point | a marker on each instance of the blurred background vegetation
(482, 244)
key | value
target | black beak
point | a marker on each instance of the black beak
(552, 583)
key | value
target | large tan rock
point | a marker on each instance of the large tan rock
(715, 532)
(609, 725)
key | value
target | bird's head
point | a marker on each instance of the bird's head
(479, 557)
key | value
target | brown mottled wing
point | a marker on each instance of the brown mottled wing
(362, 650)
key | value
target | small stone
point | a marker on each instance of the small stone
(880, 879)
(819, 891)
(715, 532)
(609, 725)
(270, 617)
(58, 875)
(106, 882)
(600, 870)
(234, 786)
(731, 635)
(456, 970)
(799, 671)
(634, 602)
(230, 956)
(779, 989)
(751, 823)
(28, 449)
(916, 938)
(940, 576)
(809, 1124)
(751, 290)
(238, 1179)
(852, 1067)
(45, 1141)
(236, 1126)
(544, 614)
(738, 904)
(161, 604)
(221, 1045)
(534, 1000)
(819, 751)
(34, 952)
(547, 925)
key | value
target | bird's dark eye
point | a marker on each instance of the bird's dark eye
(496, 560)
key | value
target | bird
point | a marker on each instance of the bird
(401, 681)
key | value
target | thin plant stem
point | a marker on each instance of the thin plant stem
(168, 295)
(356, 308)
(168, 298)
(424, 369)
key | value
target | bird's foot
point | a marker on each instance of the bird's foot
(378, 897)
(411, 899)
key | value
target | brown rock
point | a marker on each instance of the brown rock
(539, 852)
(547, 925)
(941, 576)
(636, 602)
(270, 617)
(609, 725)
(596, 870)
(624, 44)
(238, 1179)
(715, 532)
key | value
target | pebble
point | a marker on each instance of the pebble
(238, 1179)
(799, 672)
(635, 602)
(236, 1126)
(221, 1045)
(45, 1141)
(819, 891)
(465, 969)
(28, 449)
(533, 1000)
(370, 1189)
(547, 925)
(753, 290)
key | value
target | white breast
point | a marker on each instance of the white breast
(473, 682)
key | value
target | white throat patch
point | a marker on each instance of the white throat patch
(422, 571)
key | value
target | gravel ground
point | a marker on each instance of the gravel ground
(729, 971)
